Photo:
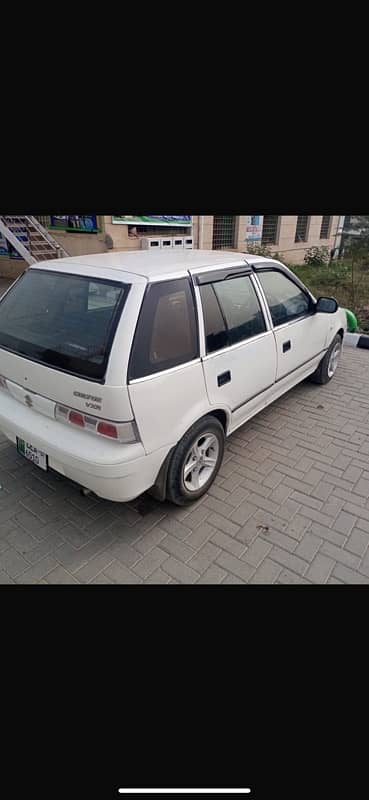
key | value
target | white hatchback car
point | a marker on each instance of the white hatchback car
(126, 371)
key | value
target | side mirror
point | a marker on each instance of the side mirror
(326, 305)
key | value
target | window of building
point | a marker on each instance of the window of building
(285, 300)
(232, 312)
(302, 225)
(270, 229)
(166, 334)
(223, 231)
(325, 227)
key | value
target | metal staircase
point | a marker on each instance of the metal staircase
(30, 239)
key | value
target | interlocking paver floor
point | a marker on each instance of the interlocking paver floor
(290, 505)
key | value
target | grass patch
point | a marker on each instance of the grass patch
(350, 288)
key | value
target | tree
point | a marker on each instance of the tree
(356, 249)
(356, 234)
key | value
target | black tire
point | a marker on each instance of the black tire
(176, 488)
(321, 374)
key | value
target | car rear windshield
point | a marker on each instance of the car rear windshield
(63, 321)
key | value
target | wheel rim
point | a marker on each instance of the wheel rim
(200, 462)
(333, 360)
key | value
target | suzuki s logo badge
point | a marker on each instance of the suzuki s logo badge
(28, 401)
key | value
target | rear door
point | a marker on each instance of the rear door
(300, 334)
(240, 356)
(166, 381)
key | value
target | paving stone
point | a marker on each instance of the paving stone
(320, 569)
(125, 553)
(344, 523)
(234, 565)
(289, 560)
(256, 552)
(149, 540)
(150, 562)
(209, 550)
(102, 579)
(225, 525)
(12, 562)
(213, 575)
(5, 578)
(228, 543)
(268, 572)
(288, 509)
(322, 490)
(59, 576)
(28, 521)
(181, 572)
(22, 541)
(218, 506)
(309, 546)
(118, 573)
(200, 535)
(352, 474)
(357, 542)
(362, 487)
(174, 547)
(347, 575)
(176, 529)
(38, 571)
(93, 567)
(287, 576)
(158, 577)
(273, 479)
(281, 493)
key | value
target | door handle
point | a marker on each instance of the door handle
(286, 346)
(225, 377)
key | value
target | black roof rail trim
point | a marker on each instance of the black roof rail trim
(222, 274)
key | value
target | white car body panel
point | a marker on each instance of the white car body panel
(165, 404)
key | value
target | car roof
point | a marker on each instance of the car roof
(151, 265)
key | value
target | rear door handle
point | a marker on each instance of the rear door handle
(286, 346)
(225, 377)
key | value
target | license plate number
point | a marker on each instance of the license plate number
(32, 454)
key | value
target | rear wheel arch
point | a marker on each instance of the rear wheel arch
(159, 489)
(222, 416)
(204, 464)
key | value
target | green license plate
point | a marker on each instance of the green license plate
(32, 454)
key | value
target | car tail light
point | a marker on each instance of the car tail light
(3, 383)
(123, 432)
(76, 418)
(107, 429)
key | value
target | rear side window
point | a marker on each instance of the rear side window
(232, 312)
(166, 334)
(63, 321)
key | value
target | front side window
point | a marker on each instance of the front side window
(285, 300)
(62, 320)
(232, 312)
(166, 334)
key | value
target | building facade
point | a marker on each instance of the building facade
(289, 236)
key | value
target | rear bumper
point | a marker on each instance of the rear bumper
(113, 471)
